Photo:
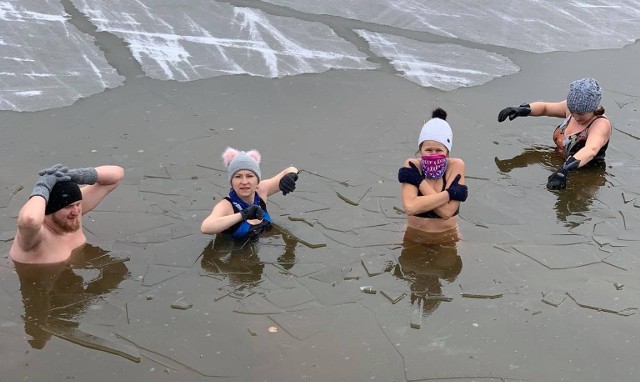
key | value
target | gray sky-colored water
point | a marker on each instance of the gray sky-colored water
(47, 61)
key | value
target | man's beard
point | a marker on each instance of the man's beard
(67, 225)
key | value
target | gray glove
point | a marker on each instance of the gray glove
(86, 175)
(48, 178)
(53, 169)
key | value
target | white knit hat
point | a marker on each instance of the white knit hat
(437, 129)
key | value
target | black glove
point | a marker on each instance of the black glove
(514, 111)
(457, 191)
(558, 180)
(288, 183)
(410, 175)
(251, 212)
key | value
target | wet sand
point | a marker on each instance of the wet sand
(543, 285)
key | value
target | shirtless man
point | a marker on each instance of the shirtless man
(50, 222)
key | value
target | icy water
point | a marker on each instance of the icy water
(543, 286)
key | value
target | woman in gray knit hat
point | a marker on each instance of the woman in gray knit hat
(583, 136)
(243, 213)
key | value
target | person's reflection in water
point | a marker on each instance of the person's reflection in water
(535, 155)
(53, 293)
(237, 259)
(580, 192)
(426, 259)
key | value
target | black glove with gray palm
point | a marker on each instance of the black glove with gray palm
(514, 112)
(558, 180)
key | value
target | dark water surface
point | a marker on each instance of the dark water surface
(543, 286)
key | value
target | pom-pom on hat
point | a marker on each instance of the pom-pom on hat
(584, 96)
(61, 195)
(437, 129)
(239, 160)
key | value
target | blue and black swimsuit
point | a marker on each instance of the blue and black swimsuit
(244, 229)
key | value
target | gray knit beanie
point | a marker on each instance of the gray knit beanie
(239, 160)
(584, 96)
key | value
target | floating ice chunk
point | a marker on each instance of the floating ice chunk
(35, 79)
(216, 39)
(443, 66)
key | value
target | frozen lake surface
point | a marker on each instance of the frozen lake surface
(52, 52)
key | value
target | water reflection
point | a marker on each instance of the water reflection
(239, 259)
(543, 155)
(582, 186)
(59, 295)
(426, 266)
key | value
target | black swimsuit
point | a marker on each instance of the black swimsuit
(432, 214)
(573, 143)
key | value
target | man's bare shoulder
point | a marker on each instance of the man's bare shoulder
(52, 248)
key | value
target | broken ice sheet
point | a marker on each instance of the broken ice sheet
(391, 208)
(393, 296)
(349, 218)
(330, 295)
(378, 264)
(304, 269)
(442, 66)
(101, 312)
(94, 337)
(554, 298)
(7, 192)
(179, 252)
(159, 273)
(88, 275)
(156, 172)
(305, 324)
(286, 298)
(562, 256)
(357, 272)
(352, 195)
(216, 39)
(331, 275)
(606, 297)
(416, 316)
(256, 304)
(7, 235)
(182, 303)
(545, 32)
(487, 289)
(302, 232)
(367, 237)
(34, 79)
(622, 259)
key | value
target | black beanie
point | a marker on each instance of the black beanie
(62, 194)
